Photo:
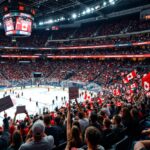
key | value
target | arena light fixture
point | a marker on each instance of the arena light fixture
(97, 7)
(88, 10)
(112, 2)
(50, 21)
(74, 16)
(104, 4)
(92, 9)
(41, 23)
(84, 12)
(62, 18)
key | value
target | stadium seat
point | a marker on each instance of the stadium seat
(122, 144)
(61, 146)
(108, 140)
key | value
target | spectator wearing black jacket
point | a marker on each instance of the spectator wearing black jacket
(5, 136)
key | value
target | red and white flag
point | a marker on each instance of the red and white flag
(146, 82)
(118, 104)
(146, 86)
(24, 26)
(148, 94)
(125, 80)
(133, 86)
(100, 100)
(116, 92)
(130, 92)
(131, 75)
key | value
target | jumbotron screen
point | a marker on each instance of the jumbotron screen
(17, 24)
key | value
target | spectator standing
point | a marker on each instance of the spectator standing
(39, 141)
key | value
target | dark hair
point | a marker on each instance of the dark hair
(100, 119)
(80, 114)
(75, 137)
(134, 113)
(57, 120)
(47, 119)
(102, 113)
(22, 125)
(93, 117)
(93, 136)
(117, 119)
(17, 139)
(76, 123)
(126, 113)
(107, 122)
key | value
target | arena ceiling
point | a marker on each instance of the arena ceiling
(57, 8)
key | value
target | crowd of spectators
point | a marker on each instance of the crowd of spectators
(93, 124)
(142, 37)
(123, 25)
(99, 71)
(101, 28)
(96, 123)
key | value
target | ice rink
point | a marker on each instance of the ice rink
(40, 97)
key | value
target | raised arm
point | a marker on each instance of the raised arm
(28, 116)
(79, 108)
(14, 120)
(68, 123)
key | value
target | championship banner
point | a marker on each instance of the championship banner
(6, 103)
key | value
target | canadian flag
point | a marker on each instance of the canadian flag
(118, 104)
(125, 80)
(148, 94)
(146, 86)
(100, 100)
(133, 86)
(130, 91)
(146, 82)
(131, 75)
(116, 92)
(24, 26)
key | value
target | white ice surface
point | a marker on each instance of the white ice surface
(40, 95)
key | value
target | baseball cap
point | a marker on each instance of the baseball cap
(38, 127)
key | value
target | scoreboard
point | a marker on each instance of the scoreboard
(23, 25)
(18, 24)
(18, 18)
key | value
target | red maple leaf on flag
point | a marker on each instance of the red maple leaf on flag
(131, 75)
(130, 92)
(116, 92)
(125, 80)
(133, 86)
(146, 82)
